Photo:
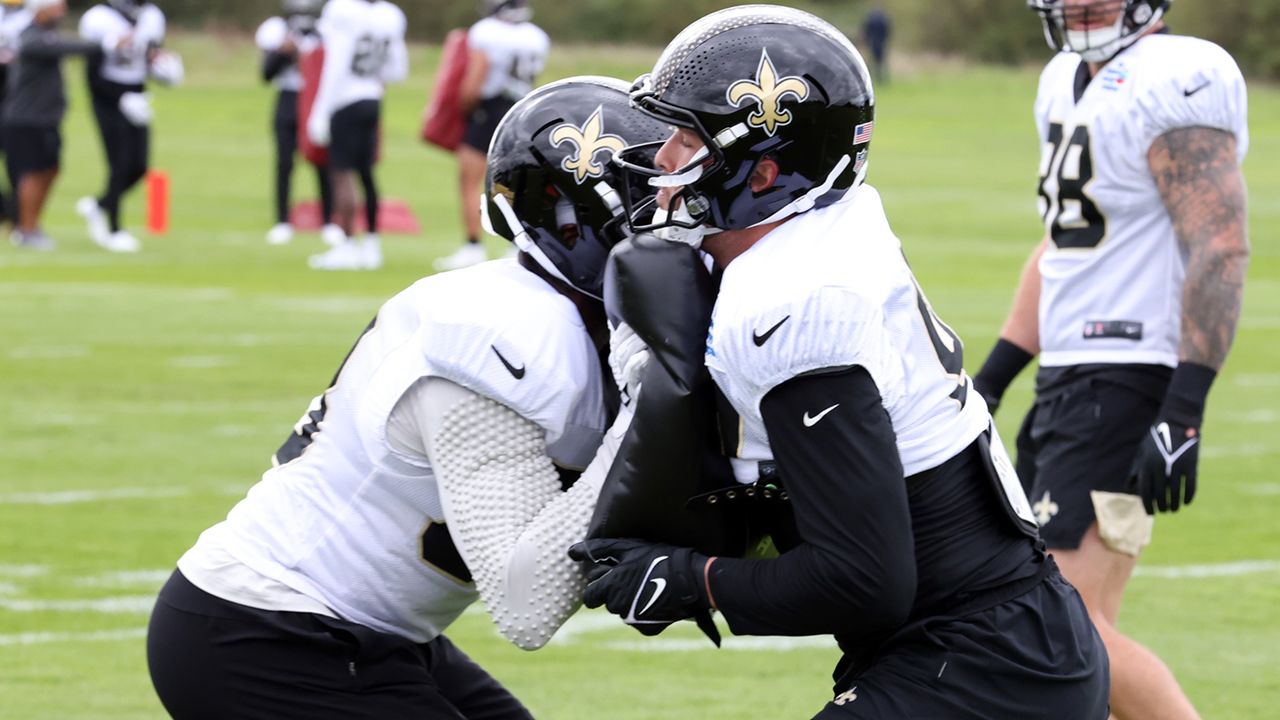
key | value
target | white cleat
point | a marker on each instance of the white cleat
(123, 242)
(281, 234)
(465, 256)
(96, 220)
(332, 235)
(371, 248)
(347, 256)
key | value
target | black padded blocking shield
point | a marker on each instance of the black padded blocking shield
(671, 451)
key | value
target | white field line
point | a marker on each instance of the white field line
(1258, 380)
(1213, 570)
(1238, 451)
(49, 637)
(112, 605)
(201, 362)
(48, 352)
(741, 644)
(127, 578)
(1263, 489)
(23, 571)
(66, 497)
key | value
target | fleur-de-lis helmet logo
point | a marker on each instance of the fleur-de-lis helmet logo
(768, 91)
(587, 141)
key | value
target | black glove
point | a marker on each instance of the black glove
(1165, 470)
(1003, 364)
(648, 585)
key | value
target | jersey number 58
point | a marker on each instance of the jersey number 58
(1074, 220)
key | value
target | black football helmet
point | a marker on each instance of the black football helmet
(302, 15)
(1134, 17)
(550, 187)
(131, 9)
(755, 82)
(509, 10)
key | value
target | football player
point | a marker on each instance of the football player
(364, 49)
(282, 41)
(433, 470)
(34, 106)
(14, 18)
(117, 85)
(506, 53)
(912, 541)
(1131, 300)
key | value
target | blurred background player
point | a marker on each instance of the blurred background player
(364, 49)
(117, 85)
(35, 103)
(14, 18)
(876, 30)
(506, 53)
(1131, 301)
(283, 40)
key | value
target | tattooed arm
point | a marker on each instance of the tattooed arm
(1200, 181)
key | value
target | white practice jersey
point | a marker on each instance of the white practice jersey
(345, 523)
(271, 36)
(1111, 279)
(828, 289)
(516, 52)
(13, 20)
(364, 49)
(127, 66)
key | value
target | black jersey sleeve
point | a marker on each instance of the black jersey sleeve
(854, 571)
(274, 63)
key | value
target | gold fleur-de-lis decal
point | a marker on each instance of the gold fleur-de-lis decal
(587, 141)
(767, 91)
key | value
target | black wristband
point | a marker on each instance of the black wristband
(1003, 364)
(1188, 391)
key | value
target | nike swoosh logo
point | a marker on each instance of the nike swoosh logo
(761, 339)
(1163, 431)
(632, 616)
(811, 421)
(516, 372)
(661, 583)
(1198, 88)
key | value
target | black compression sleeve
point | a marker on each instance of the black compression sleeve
(854, 571)
(274, 63)
(99, 86)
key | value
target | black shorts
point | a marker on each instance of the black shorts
(210, 658)
(483, 122)
(353, 136)
(1082, 434)
(1035, 656)
(32, 148)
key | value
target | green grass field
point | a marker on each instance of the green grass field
(140, 396)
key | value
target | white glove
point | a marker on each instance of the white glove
(318, 128)
(136, 108)
(628, 356)
(167, 68)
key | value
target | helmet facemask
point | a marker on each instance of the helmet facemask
(754, 83)
(550, 187)
(1077, 28)
(131, 9)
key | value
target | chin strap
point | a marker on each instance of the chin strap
(523, 241)
(805, 202)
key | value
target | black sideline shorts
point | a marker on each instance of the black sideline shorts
(353, 136)
(210, 658)
(1036, 656)
(32, 149)
(483, 122)
(1082, 434)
